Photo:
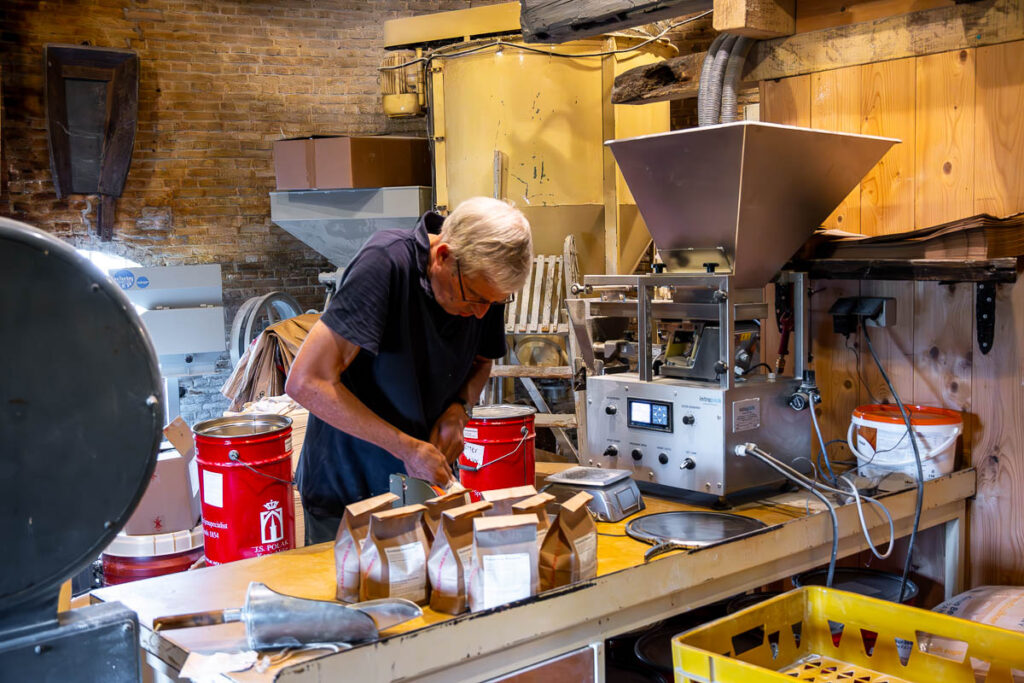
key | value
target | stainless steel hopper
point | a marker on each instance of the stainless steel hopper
(744, 196)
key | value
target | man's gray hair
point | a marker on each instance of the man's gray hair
(490, 238)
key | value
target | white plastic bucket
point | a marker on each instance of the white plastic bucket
(878, 437)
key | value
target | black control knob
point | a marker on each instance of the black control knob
(688, 419)
(663, 458)
(637, 455)
(611, 451)
(710, 267)
(611, 410)
(689, 464)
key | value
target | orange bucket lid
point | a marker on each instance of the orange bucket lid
(921, 416)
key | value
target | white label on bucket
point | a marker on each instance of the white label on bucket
(407, 571)
(474, 453)
(505, 578)
(193, 476)
(213, 488)
(288, 444)
(470, 433)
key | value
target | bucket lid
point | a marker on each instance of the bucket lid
(234, 426)
(921, 416)
(154, 545)
(501, 411)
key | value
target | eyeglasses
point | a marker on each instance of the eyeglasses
(462, 290)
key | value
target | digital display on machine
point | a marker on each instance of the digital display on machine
(650, 415)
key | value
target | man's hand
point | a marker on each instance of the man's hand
(447, 432)
(424, 461)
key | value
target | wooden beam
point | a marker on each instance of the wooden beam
(557, 21)
(672, 79)
(994, 270)
(919, 33)
(925, 32)
(542, 372)
(756, 18)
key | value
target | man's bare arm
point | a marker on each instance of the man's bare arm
(314, 381)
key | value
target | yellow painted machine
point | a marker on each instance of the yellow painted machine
(527, 123)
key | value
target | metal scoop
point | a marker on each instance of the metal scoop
(273, 620)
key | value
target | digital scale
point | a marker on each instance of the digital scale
(615, 494)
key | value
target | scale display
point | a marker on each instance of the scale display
(654, 415)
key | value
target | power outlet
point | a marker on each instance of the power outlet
(875, 311)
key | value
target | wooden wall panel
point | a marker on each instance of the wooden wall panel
(961, 116)
(999, 133)
(835, 105)
(812, 15)
(835, 366)
(887, 105)
(943, 350)
(997, 396)
(894, 345)
(945, 137)
(787, 101)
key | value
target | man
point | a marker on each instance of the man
(393, 366)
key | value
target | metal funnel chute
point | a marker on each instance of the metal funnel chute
(745, 195)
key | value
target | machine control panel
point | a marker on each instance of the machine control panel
(644, 414)
(680, 434)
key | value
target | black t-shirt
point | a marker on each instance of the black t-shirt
(413, 360)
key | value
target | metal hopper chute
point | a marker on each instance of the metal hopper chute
(743, 196)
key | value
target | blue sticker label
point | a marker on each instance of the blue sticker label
(124, 278)
(142, 282)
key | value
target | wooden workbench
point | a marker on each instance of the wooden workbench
(627, 594)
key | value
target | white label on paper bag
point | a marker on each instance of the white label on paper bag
(470, 433)
(505, 578)
(466, 557)
(407, 571)
(586, 551)
(474, 453)
(213, 488)
(445, 576)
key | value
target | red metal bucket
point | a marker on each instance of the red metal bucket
(498, 448)
(245, 481)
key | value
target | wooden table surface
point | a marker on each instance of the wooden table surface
(309, 572)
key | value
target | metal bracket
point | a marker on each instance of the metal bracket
(985, 311)
(579, 378)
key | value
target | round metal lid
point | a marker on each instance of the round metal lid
(80, 414)
(501, 411)
(692, 528)
(234, 426)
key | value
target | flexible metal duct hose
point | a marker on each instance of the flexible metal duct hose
(733, 73)
(703, 115)
(714, 100)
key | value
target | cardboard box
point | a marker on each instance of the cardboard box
(171, 501)
(332, 163)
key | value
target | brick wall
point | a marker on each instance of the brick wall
(219, 82)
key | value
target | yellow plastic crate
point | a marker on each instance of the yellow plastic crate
(819, 634)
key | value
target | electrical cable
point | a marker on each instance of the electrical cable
(755, 367)
(526, 48)
(917, 459)
(821, 439)
(754, 451)
(864, 526)
(800, 479)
